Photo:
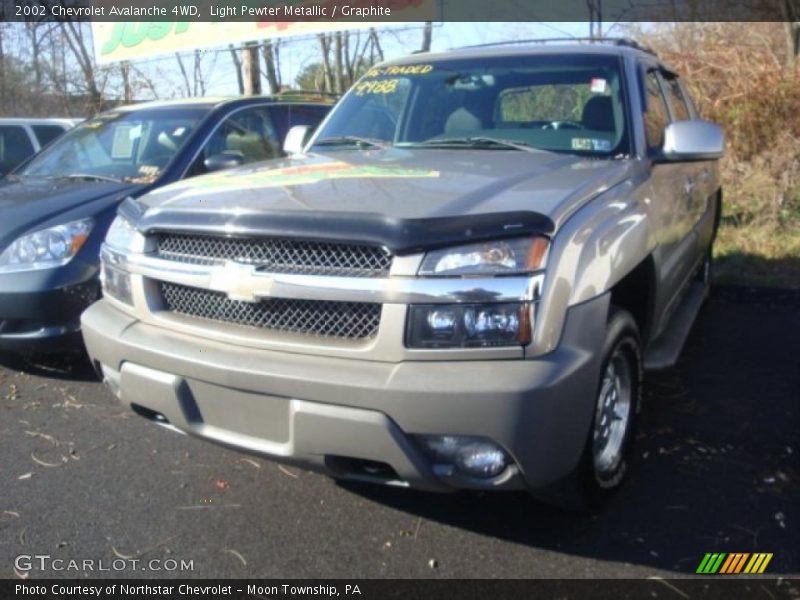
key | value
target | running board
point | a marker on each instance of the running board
(664, 352)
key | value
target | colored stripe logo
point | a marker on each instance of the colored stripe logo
(734, 563)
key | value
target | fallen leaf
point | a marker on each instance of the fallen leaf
(236, 554)
(286, 471)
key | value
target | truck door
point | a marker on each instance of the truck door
(673, 203)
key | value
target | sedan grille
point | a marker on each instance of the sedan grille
(278, 255)
(349, 320)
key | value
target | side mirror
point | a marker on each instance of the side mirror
(296, 139)
(224, 160)
(693, 140)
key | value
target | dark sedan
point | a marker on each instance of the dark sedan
(56, 208)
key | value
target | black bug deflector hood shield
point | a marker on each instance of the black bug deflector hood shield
(401, 236)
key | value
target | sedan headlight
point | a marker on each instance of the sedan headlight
(500, 257)
(122, 235)
(47, 248)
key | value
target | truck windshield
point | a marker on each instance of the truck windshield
(134, 145)
(559, 103)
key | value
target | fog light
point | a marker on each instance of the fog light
(481, 459)
(470, 456)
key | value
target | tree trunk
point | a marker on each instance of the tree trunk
(427, 37)
(338, 72)
(791, 24)
(127, 91)
(376, 45)
(184, 74)
(237, 63)
(324, 45)
(250, 70)
(270, 63)
(199, 80)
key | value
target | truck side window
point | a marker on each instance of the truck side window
(656, 116)
(47, 133)
(680, 110)
(249, 132)
(15, 146)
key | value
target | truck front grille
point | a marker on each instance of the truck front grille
(276, 255)
(347, 320)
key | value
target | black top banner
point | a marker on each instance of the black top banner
(388, 11)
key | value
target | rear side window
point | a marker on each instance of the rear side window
(15, 146)
(656, 116)
(46, 133)
(249, 132)
(680, 110)
(288, 115)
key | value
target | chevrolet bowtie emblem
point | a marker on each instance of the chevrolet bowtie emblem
(240, 282)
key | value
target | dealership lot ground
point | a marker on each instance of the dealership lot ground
(717, 468)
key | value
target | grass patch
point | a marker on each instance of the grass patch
(758, 254)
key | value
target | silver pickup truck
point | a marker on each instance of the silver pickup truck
(456, 284)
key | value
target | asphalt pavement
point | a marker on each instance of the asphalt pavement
(716, 469)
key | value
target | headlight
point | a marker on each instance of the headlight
(122, 235)
(46, 249)
(501, 257)
(468, 325)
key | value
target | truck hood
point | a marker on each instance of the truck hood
(397, 189)
(30, 204)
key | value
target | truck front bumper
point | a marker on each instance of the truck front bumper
(358, 419)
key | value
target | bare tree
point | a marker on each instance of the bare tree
(74, 34)
(237, 63)
(186, 84)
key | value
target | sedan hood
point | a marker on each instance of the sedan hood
(30, 204)
(345, 192)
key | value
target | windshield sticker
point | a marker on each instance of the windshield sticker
(376, 86)
(599, 86)
(591, 144)
(122, 146)
(400, 70)
(136, 132)
(149, 170)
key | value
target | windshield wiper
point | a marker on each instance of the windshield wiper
(354, 140)
(91, 177)
(477, 141)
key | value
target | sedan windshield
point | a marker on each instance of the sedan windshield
(558, 103)
(134, 146)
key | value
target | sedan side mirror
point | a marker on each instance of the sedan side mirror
(296, 139)
(693, 140)
(224, 160)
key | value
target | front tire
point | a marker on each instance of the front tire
(604, 461)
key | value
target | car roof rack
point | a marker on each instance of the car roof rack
(614, 41)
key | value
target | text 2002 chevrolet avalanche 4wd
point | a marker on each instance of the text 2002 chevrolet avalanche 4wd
(457, 285)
